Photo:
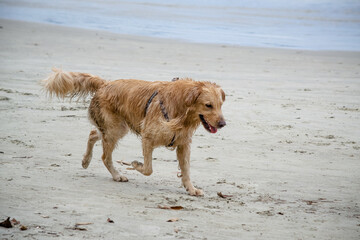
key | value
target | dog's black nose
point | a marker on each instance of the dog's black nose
(221, 123)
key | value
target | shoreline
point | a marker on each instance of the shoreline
(183, 41)
(288, 156)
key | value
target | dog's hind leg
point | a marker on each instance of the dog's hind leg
(109, 140)
(108, 148)
(145, 168)
(93, 138)
(183, 155)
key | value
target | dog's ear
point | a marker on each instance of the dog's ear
(192, 96)
(222, 94)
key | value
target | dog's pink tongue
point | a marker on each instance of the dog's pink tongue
(213, 129)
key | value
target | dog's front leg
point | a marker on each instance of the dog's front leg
(145, 168)
(183, 155)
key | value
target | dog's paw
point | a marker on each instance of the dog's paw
(86, 161)
(196, 192)
(140, 168)
(120, 178)
(136, 164)
(85, 164)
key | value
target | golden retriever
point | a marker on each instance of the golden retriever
(162, 113)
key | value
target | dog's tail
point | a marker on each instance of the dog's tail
(71, 84)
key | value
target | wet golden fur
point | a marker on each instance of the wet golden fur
(119, 106)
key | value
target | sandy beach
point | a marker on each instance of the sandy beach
(289, 156)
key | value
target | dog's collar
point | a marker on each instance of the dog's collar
(163, 110)
(166, 116)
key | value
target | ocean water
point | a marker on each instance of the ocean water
(305, 24)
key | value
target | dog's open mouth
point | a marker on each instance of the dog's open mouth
(207, 125)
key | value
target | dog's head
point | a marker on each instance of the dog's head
(207, 100)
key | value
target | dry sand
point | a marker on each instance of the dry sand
(289, 156)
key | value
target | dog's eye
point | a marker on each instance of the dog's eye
(208, 105)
